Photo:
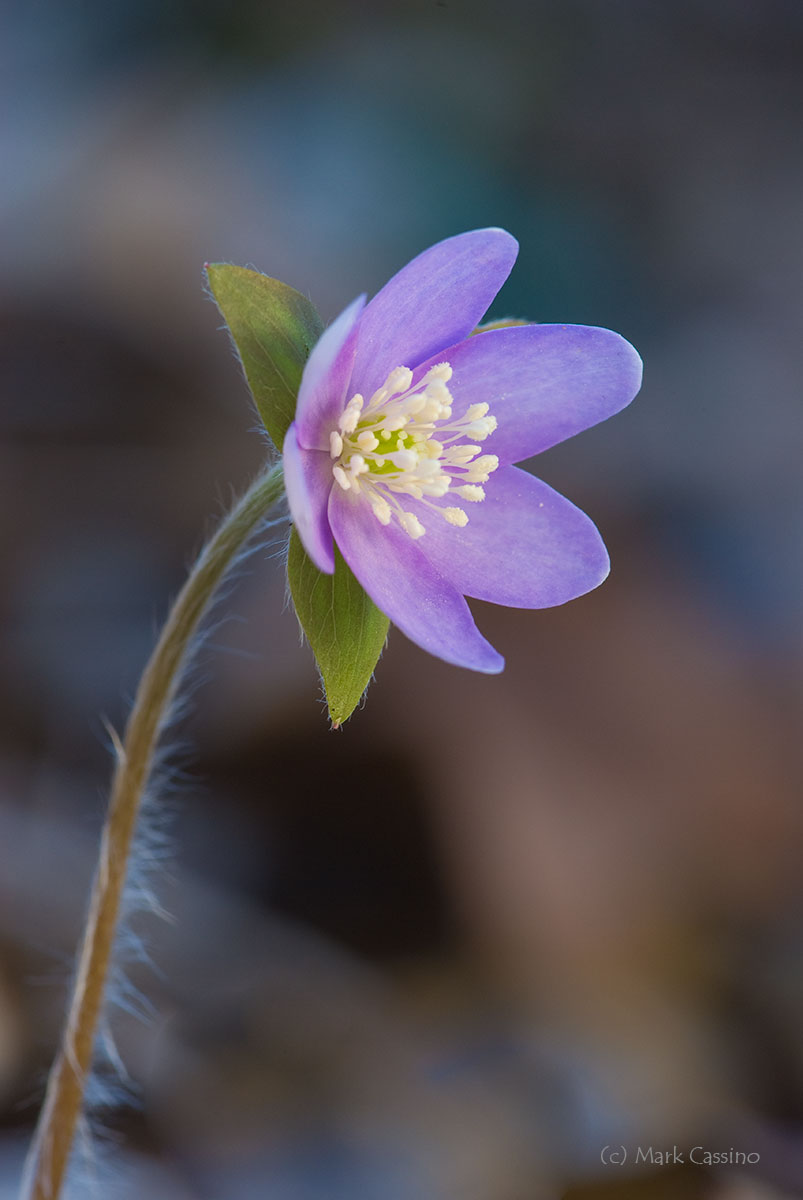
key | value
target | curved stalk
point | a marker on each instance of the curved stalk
(49, 1155)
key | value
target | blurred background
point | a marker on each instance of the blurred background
(496, 924)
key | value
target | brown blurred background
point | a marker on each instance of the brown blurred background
(496, 924)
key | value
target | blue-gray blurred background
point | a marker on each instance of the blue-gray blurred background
(495, 924)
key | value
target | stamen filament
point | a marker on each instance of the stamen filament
(388, 448)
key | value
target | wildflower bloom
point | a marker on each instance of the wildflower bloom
(406, 432)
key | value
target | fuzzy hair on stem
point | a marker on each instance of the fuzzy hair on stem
(50, 1151)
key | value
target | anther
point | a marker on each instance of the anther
(463, 453)
(439, 371)
(475, 411)
(394, 424)
(405, 460)
(381, 508)
(351, 414)
(400, 445)
(411, 524)
(357, 465)
(398, 380)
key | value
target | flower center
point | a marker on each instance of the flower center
(402, 442)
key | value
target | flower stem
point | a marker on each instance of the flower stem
(49, 1155)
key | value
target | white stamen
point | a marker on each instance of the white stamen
(411, 524)
(481, 429)
(463, 454)
(440, 371)
(398, 380)
(405, 460)
(475, 411)
(436, 389)
(357, 465)
(351, 414)
(481, 468)
(393, 425)
(400, 444)
(381, 508)
(415, 404)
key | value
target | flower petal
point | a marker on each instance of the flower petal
(405, 585)
(308, 480)
(322, 394)
(433, 302)
(525, 545)
(544, 383)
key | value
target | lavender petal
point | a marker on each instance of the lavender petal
(544, 383)
(433, 302)
(406, 586)
(524, 546)
(322, 394)
(308, 480)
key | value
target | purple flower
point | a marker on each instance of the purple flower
(405, 436)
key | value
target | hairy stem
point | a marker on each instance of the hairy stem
(50, 1152)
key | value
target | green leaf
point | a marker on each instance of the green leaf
(502, 323)
(345, 628)
(274, 328)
